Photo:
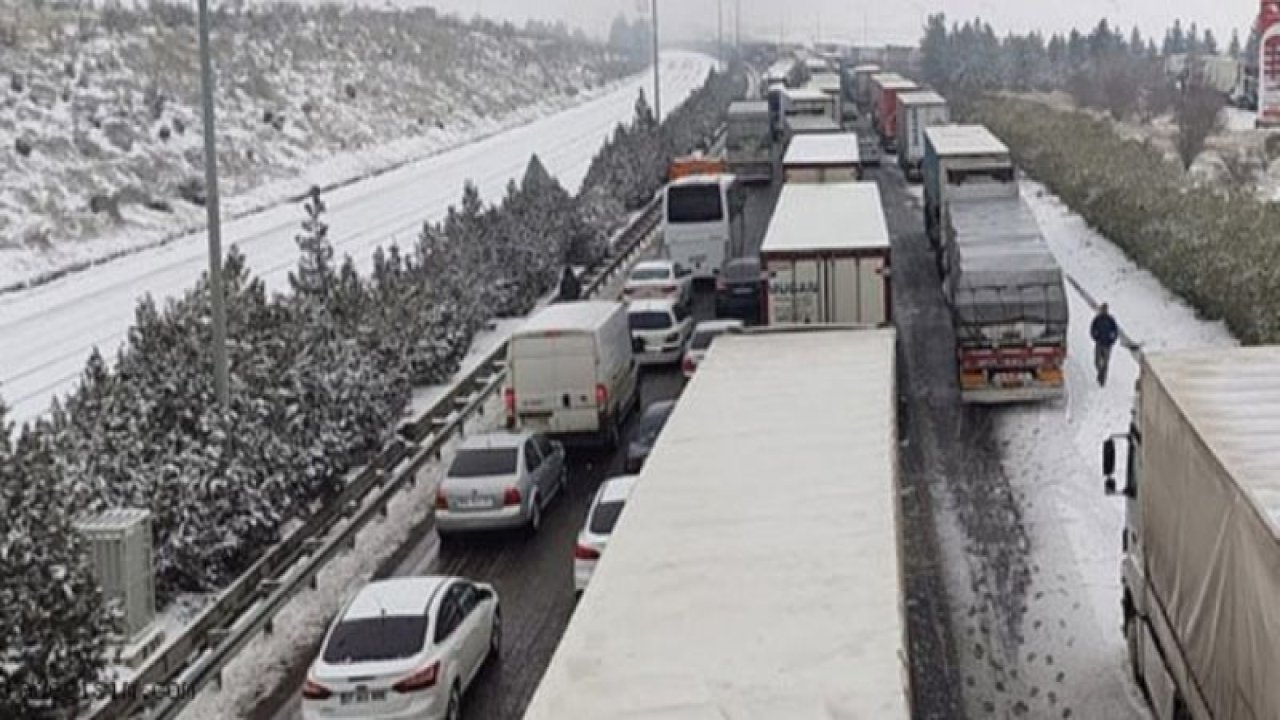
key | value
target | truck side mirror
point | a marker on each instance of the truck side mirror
(1109, 466)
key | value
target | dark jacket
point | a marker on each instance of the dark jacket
(570, 289)
(1104, 330)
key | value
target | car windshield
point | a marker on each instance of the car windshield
(651, 424)
(376, 639)
(702, 339)
(650, 320)
(478, 462)
(654, 273)
(742, 271)
(605, 517)
(693, 204)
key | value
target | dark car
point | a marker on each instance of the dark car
(738, 290)
(646, 433)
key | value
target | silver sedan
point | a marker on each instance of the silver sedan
(500, 480)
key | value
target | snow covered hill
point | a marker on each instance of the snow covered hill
(100, 144)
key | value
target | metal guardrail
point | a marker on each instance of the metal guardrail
(251, 602)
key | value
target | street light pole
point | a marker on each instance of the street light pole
(720, 32)
(219, 349)
(657, 81)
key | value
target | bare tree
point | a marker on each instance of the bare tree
(1198, 114)
(1120, 85)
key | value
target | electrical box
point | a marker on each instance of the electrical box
(119, 546)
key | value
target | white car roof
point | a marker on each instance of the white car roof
(654, 265)
(652, 305)
(394, 597)
(617, 488)
(496, 440)
(716, 325)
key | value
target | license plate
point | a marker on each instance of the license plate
(477, 502)
(1010, 379)
(362, 695)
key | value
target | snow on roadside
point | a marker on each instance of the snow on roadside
(259, 667)
(1052, 459)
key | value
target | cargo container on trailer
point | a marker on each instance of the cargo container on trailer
(1201, 567)
(963, 161)
(862, 75)
(749, 141)
(826, 256)
(917, 110)
(757, 569)
(887, 110)
(823, 158)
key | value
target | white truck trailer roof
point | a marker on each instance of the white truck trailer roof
(822, 149)
(952, 140)
(807, 94)
(921, 97)
(1232, 399)
(710, 603)
(827, 217)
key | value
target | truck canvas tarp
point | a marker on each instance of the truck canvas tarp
(1007, 299)
(749, 141)
(709, 603)
(917, 110)
(1208, 542)
(826, 256)
(823, 158)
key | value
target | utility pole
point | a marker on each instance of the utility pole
(737, 26)
(220, 382)
(657, 78)
(720, 32)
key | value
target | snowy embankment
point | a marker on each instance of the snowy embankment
(100, 121)
(1051, 456)
(49, 330)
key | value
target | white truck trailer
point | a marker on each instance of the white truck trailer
(862, 75)
(826, 256)
(917, 110)
(823, 158)
(1201, 568)
(749, 141)
(756, 571)
(1005, 290)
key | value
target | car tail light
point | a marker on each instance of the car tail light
(585, 552)
(312, 690)
(442, 502)
(509, 400)
(420, 680)
(511, 496)
(688, 365)
(602, 395)
(668, 289)
(720, 284)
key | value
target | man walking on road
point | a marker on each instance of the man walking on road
(1104, 332)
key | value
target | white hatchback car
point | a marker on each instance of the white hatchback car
(659, 330)
(403, 648)
(658, 280)
(605, 510)
(703, 334)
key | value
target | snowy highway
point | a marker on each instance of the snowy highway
(48, 331)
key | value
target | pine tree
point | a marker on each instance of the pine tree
(1233, 48)
(54, 618)
(1210, 43)
(1136, 44)
(314, 277)
(1193, 40)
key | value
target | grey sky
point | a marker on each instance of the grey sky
(896, 21)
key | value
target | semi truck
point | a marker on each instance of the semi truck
(757, 568)
(862, 75)
(917, 110)
(1002, 284)
(749, 141)
(825, 256)
(822, 158)
(886, 117)
(964, 161)
(1200, 573)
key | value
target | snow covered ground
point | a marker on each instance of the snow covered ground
(49, 330)
(1051, 456)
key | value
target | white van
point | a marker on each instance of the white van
(702, 222)
(570, 372)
